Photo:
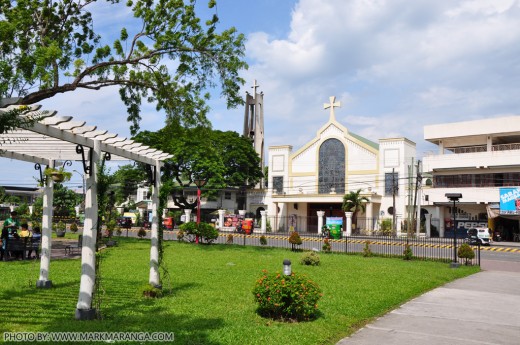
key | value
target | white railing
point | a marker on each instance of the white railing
(468, 149)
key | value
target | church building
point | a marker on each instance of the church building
(310, 182)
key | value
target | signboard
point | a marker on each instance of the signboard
(335, 226)
(463, 226)
(510, 200)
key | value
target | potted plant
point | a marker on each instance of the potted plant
(60, 229)
(57, 175)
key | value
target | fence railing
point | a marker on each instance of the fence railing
(423, 248)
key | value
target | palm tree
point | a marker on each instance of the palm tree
(354, 202)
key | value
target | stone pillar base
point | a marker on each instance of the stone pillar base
(44, 284)
(85, 314)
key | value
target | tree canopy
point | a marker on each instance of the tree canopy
(224, 159)
(167, 55)
(354, 202)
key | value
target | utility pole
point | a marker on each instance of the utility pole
(417, 183)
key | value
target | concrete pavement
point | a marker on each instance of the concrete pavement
(481, 309)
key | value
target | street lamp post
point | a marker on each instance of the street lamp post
(454, 197)
(83, 185)
(199, 182)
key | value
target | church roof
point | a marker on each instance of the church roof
(365, 140)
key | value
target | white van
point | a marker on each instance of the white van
(481, 235)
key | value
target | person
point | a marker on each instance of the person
(25, 233)
(3, 242)
(12, 223)
(36, 236)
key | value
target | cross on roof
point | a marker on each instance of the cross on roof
(332, 105)
(254, 87)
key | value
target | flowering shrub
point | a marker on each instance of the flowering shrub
(287, 298)
(141, 233)
(229, 239)
(367, 252)
(263, 240)
(326, 246)
(295, 240)
(310, 259)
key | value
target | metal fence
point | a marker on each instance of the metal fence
(423, 248)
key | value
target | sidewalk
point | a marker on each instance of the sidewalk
(480, 309)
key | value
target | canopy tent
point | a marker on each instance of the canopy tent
(54, 138)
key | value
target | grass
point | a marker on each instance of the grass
(211, 300)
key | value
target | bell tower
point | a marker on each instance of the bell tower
(254, 123)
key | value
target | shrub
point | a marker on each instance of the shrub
(141, 233)
(310, 259)
(205, 231)
(386, 226)
(408, 253)
(326, 246)
(263, 240)
(287, 298)
(367, 252)
(74, 227)
(181, 235)
(295, 240)
(150, 291)
(229, 239)
(465, 252)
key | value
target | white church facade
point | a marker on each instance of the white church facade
(309, 183)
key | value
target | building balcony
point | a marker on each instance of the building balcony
(471, 157)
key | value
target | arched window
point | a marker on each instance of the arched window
(331, 167)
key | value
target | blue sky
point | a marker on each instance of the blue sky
(395, 65)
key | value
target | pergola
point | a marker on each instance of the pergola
(54, 138)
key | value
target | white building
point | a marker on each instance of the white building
(316, 176)
(479, 159)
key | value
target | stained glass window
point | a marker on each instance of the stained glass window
(331, 167)
(278, 184)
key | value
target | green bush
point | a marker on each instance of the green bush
(287, 298)
(466, 252)
(386, 226)
(150, 291)
(310, 259)
(229, 239)
(205, 231)
(73, 227)
(141, 233)
(367, 252)
(326, 246)
(407, 253)
(263, 240)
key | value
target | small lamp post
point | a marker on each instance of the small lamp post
(287, 267)
(199, 182)
(454, 197)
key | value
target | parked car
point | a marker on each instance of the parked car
(124, 222)
(479, 235)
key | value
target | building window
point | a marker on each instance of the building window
(331, 167)
(391, 179)
(278, 184)
(227, 195)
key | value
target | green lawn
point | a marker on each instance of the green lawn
(211, 301)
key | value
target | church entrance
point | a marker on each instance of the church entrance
(331, 210)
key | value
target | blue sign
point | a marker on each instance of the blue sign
(510, 200)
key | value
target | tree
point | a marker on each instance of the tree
(167, 55)
(354, 202)
(64, 200)
(127, 178)
(224, 159)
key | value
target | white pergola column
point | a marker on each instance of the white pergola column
(155, 279)
(31, 209)
(45, 255)
(187, 212)
(84, 310)
(320, 221)
(428, 225)
(418, 214)
(348, 215)
(263, 228)
(221, 214)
